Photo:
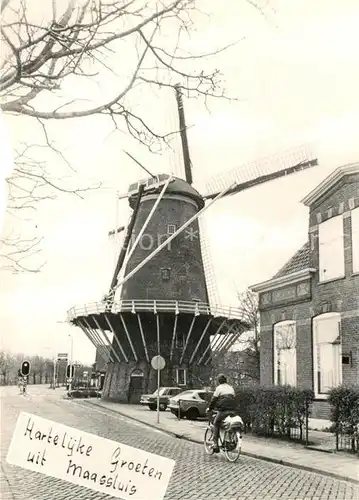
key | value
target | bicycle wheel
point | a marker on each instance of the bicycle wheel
(208, 441)
(234, 438)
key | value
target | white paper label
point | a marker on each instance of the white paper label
(84, 459)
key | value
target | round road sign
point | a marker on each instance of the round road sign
(158, 363)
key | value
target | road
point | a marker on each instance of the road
(196, 475)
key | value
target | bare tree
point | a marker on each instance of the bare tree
(248, 302)
(44, 47)
(240, 366)
(7, 367)
(37, 368)
(48, 370)
(242, 362)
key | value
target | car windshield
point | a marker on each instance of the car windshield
(159, 391)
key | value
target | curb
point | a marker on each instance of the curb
(285, 463)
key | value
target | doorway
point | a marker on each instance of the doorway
(136, 387)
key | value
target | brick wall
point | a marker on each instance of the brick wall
(341, 295)
(183, 258)
(300, 313)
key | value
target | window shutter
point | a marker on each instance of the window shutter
(288, 366)
(331, 249)
(327, 368)
(355, 239)
(328, 353)
(327, 329)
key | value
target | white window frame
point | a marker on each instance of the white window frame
(330, 341)
(291, 346)
(329, 261)
(184, 370)
(171, 228)
(355, 239)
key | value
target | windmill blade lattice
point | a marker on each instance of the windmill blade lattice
(260, 171)
(208, 264)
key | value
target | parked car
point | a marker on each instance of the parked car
(165, 394)
(191, 404)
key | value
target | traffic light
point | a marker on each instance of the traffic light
(70, 371)
(25, 368)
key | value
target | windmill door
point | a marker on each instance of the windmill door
(136, 387)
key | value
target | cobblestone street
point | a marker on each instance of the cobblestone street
(196, 476)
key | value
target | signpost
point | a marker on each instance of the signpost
(158, 363)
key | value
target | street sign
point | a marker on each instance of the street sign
(62, 355)
(158, 363)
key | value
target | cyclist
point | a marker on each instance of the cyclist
(224, 401)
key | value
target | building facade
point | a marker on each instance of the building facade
(309, 311)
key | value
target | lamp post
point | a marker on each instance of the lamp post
(72, 371)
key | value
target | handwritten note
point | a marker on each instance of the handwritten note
(63, 452)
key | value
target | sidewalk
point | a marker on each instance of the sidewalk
(338, 465)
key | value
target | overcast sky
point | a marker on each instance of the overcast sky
(296, 74)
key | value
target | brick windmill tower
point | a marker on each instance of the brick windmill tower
(161, 304)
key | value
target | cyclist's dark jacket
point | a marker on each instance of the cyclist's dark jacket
(223, 402)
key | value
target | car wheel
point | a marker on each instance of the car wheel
(192, 414)
(152, 407)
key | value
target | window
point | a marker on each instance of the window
(326, 353)
(331, 249)
(285, 355)
(165, 274)
(186, 393)
(171, 228)
(181, 376)
(161, 391)
(355, 240)
(206, 396)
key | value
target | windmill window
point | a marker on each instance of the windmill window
(171, 228)
(285, 353)
(327, 353)
(331, 249)
(165, 274)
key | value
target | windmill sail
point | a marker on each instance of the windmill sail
(208, 265)
(260, 171)
(184, 140)
(126, 241)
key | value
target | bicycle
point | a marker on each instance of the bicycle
(230, 437)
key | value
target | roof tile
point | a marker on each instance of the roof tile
(298, 262)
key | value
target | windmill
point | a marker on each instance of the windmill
(160, 305)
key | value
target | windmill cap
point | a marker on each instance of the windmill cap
(178, 186)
